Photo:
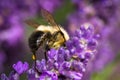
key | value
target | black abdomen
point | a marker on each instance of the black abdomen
(33, 40)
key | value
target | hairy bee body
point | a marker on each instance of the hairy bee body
(47, 35)
(36, 39)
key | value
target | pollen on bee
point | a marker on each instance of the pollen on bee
(33, 57)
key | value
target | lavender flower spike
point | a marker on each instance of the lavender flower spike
(12, 76)
(70, 63)
(20, 67)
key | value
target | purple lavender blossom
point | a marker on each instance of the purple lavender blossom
(31, 74)
(12, 76)
(4, 77)
(48, 75)
(103, 14)
(20, 67)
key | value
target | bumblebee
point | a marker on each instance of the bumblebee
(46, 37)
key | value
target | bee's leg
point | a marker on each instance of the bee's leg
(34, 58)
(46, 58)
(44, 42)
(32, 44)
(38, 39)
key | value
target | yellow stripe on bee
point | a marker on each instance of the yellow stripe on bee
(33, 57)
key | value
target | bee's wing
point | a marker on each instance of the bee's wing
(49, 18)
(32, 23)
